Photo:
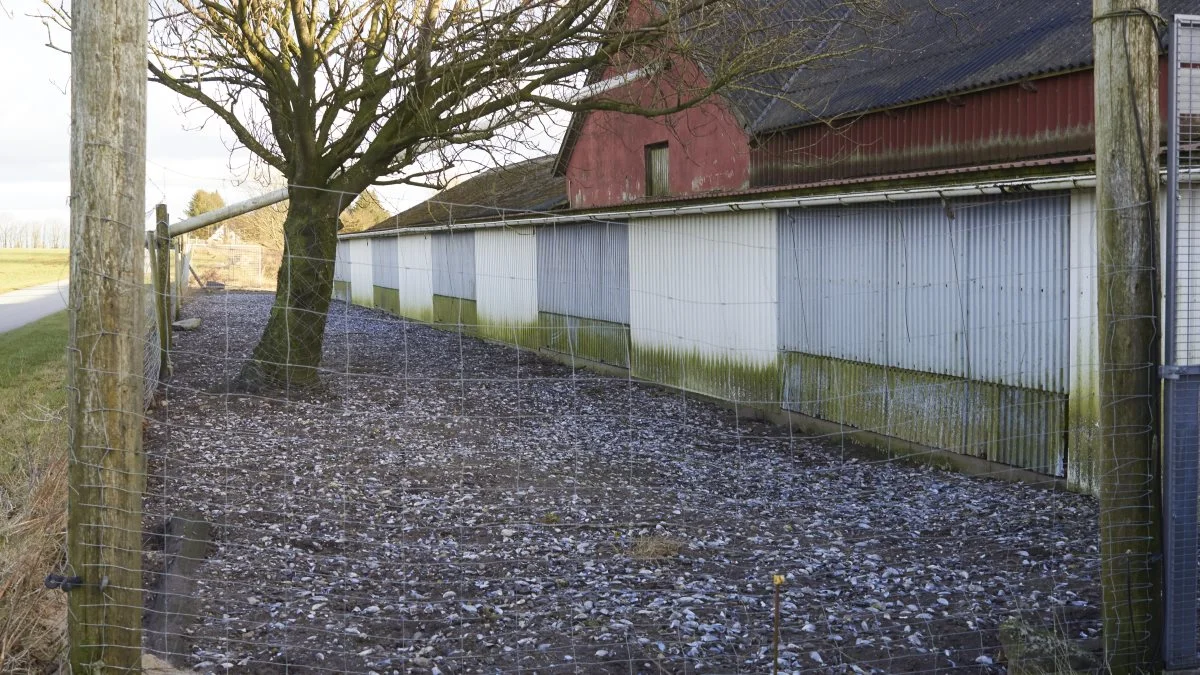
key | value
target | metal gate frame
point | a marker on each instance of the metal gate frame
(1181, 354)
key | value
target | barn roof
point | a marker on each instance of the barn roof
(935, 48)
(939, 48)
(516, 190)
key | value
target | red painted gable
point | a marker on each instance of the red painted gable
(708, 150)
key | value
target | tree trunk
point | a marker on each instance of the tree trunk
(289, 352)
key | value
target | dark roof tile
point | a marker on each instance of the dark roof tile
(516, 190)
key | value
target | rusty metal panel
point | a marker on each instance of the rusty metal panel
(454, 264)
(583, 271)
(384, 261)
(1004, 124)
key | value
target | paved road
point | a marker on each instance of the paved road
(18, 308)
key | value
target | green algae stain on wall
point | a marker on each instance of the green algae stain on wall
(387, 299)
(1085, 440)
(527, 335)
(736, 380)
(590, 339)
(455, 313)
(341, 291)
(1009, 425)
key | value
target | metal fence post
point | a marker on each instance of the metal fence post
(1181, 374)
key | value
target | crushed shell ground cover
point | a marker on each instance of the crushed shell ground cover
(448, 505)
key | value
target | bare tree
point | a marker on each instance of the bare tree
(337, 95)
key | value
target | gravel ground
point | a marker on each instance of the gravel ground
(454, 506)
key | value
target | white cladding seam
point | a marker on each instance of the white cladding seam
(361, 274)
(706, 285)
(506, 276)
(454, 264)
(414, 263)
(974, 288)
(583, 271)
(384, 262)
(341, 262)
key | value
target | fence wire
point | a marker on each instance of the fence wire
(649, 445)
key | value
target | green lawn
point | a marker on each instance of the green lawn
(25, 267)
(33, 438)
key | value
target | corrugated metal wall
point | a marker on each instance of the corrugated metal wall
(941, 323)
(414, 262)
(385, 262)
(975, 289)
(341, 262)
(361, 275)
(703, 303)
(1084, 345)
(583, 271)
(454, 264)
(506, 276)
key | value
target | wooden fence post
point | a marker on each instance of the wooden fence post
(162, 287)
(1127, 142)
(106, 467)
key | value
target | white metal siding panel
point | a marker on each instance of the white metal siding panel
(1018, 293)
(506, 276)
(1084, 344)
(706, 284)
(832, 281)
(384, 262)
(341, 264)
(583, 271)
(454, 264)
(414, 265)
(977, 289)
(361, 276)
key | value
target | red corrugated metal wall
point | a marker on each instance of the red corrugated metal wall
(1047, 117)
(998, 125)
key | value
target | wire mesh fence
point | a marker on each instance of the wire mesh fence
(854, 438)
(246, 266)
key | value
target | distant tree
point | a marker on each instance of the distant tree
(366, 211)
(263, 226)
(203, 201)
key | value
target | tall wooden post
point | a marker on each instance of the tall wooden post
(1127, 181)
(105, 359)
(162, 287)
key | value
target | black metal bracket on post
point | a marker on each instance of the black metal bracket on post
(59, 581)
(1176, 372)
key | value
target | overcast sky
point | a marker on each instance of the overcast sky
(184, 153)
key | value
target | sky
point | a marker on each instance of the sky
(185, 152)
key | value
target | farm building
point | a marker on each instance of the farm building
(900, 242)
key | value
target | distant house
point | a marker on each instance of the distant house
(900, 242)
(223, 234)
